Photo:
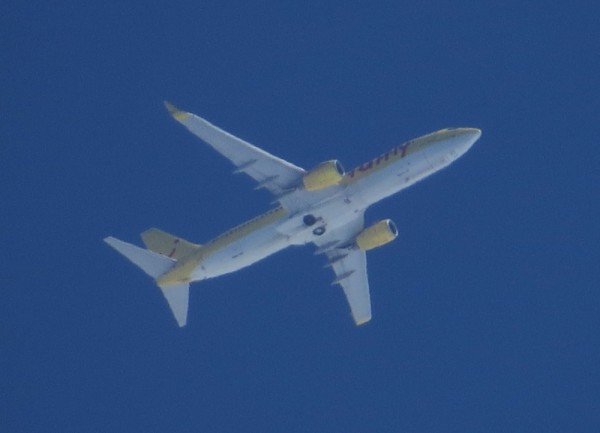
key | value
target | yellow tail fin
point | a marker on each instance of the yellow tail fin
(168, 245)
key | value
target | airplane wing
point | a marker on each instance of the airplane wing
(271, 172)
(350, 267)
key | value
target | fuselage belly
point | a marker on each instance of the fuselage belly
(365, 185)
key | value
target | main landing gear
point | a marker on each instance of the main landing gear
(319, 231)
(310, 220)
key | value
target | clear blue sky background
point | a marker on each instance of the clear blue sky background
(486, 307)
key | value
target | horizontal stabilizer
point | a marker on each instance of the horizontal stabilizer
(167, 244)
(155, 264)
(177, 296)
(151, 263)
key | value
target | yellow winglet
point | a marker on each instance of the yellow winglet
(362, 320)
(176, 112)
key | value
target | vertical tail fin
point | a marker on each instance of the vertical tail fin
(155, 264)
(167, 244)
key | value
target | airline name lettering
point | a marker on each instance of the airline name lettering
(395, 152)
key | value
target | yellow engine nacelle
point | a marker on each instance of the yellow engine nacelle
(324, 175)
(377, 235)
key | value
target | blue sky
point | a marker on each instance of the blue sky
(486, 307)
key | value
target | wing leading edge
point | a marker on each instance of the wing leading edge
(271, 172)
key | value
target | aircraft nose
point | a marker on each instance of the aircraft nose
(466, 139)
(473, 134)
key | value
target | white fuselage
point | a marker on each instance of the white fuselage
(365, 185)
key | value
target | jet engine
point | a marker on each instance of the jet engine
(377, 235)
(324, 175)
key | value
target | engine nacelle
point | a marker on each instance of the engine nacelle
(377, 235)
(324, 175)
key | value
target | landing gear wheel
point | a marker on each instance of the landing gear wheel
(319, 231)
(309, 220)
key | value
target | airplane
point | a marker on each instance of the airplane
(324, 206)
